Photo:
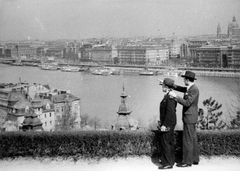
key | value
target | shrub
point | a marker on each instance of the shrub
(109, 144)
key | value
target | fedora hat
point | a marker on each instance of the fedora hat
(189, 74)
(168, 82)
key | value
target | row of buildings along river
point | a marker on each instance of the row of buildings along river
(220, 50)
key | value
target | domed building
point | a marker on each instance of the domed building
(31, 122)
(233, 29)
(124, 121)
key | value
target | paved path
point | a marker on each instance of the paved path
(129, 164)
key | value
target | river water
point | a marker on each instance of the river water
(100, 95)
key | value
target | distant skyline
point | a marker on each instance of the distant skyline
(80, 19)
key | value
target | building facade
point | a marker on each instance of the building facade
(133, 55)
(233, 56)
(66, 105)
(212, 56)
(102, 54)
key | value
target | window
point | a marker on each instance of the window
(45, 124)
(50, 114)
(45, 115)
(57, 110)
(47, 106)
(50, 122)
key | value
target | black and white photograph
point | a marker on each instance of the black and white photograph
(119, 85)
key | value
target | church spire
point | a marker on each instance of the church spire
(218, 30)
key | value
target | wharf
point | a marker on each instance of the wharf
(217, 74)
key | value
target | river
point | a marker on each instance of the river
(100, 95)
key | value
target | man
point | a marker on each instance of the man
(167, 124)
(189, 117)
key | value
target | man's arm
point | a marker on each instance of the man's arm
(179, 88)
(192, 95)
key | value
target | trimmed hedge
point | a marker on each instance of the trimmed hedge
(109, 144)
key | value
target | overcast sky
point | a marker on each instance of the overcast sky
(77, 19)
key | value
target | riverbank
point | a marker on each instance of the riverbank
(222, 163)
(164, 70)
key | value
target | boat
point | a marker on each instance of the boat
(30, 64)
(17, 63)
(117, 72)
(171, 73)
(102, 71)
(69, 69)
(146, 72)
(7, 62)
(83, 68)
(48, 67)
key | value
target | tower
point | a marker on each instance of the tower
(229, 30)
(124, 121)
(218, 30)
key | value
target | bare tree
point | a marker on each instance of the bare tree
(68, 120)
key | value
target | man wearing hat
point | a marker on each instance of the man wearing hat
(189, 117)
(167, 124)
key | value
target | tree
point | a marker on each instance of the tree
(87, 121)
(235, 122)
(234, 110)
(211, 120)
(68, 119)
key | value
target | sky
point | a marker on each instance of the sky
(80, 19)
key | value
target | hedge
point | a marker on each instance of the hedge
(109, 144)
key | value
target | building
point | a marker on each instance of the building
(19, 51)
(156, 55)
(86, 53)
(212, 56)
(133, 55)
(55, 52)
(31, 122)
(233, 29)
(219, 32)
(66, 105)
(233, 56)
(193, 45)
(14, 104)
(72, 50)
(124, 121)
(102, 54)
(16, 101)
(44, 109)
(142, 55)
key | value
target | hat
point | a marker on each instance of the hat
(189, 74)
(168, 82)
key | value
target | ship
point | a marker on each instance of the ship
(146, 72)
(48, 66)
(69, 69)
(102, 71)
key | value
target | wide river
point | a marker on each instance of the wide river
(100, 95)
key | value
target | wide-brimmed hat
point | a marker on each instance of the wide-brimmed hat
(168, 82)
(189, 74)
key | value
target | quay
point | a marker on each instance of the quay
(158, 70)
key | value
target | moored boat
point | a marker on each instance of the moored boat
(146, 72)
(171, 73)
(102, 71)
(69, 69)
(17, 64)
(48, 67)
(117, 72)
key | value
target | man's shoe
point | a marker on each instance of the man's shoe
(184, 165)
(195, 163)
(165, 167)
